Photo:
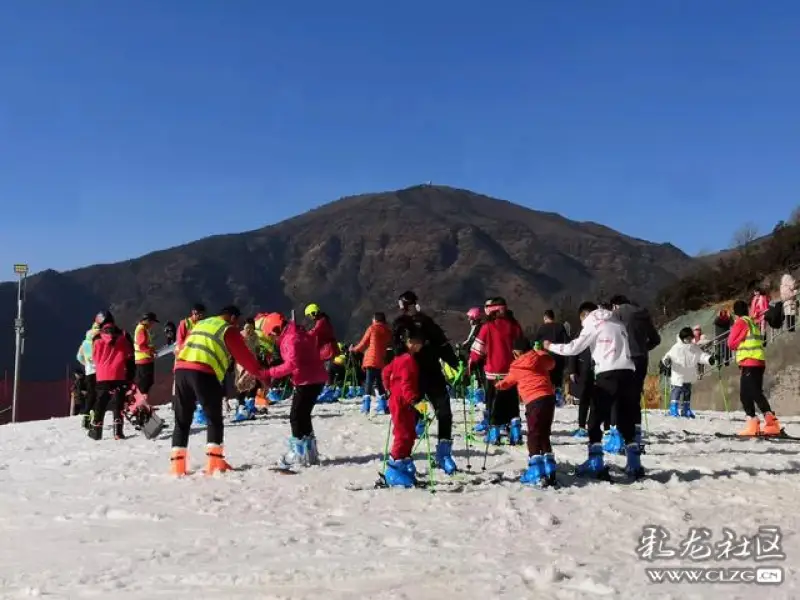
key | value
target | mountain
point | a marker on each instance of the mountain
(453, 247)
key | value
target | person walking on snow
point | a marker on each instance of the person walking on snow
(682, 360)
(581, 377)
(432, 383)
(789, 299)
(475, 317)
(299, 350)
(373, 346)
(746, 341)
(197, 314)
(401, 378)
(615, 382)
(84, 357)
(530, 374)
(323, 332)
(111, 351)
(145, 353)
(200, 370)
(494, 350)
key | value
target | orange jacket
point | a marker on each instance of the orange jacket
(531, 374)
(374, 344)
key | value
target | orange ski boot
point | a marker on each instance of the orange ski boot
(771, 425)
(178, 462)
(216, 460)
(753, 428)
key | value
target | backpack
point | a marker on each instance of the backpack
(774, 315)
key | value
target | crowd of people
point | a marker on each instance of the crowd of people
(404, 365)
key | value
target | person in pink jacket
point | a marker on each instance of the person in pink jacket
(759, 306)
(301, 360)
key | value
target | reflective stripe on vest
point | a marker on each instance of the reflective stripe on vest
(206, 345)
(139, 352)
(752, 348)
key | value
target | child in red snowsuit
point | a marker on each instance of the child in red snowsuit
(401, 379)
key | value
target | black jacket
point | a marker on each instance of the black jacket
(642, 333)
(581, 366)
(436, 346)
(554, 333)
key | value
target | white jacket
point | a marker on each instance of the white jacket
(684, 359)
(607, 337)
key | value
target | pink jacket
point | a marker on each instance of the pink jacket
(759, 305)
(300, 356)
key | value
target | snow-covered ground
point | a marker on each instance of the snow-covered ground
(80, 519)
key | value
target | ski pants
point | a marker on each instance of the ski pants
(614, 389)
(91, 394)
(639, 377)
(110, 394)
(502, 405)
(193, 387)
(145, 377)
(681, 393)
(305, 397)
(404, 421)
(751, 391)
(436, 391)
(373, 381)
(539, 417)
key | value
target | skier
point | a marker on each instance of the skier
(581, 377)
(746, 341)
(84, 357)
(493, 348)
(111, 351)
(302, 361)
(478, 393)
(431, 379)
(401, 378)
(323, 332)
(682, 361)
(145, 353)
(373, 345)
(759, 305)
(200, 371)
(607, 338)
(529, 373)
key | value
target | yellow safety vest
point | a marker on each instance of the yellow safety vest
(752, 348)
(266, 342)
(206, 345)
(139, 352)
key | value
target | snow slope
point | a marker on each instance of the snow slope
(103, 520)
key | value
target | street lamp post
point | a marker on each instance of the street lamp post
(21, 271)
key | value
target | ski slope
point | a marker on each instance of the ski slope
(104, 520)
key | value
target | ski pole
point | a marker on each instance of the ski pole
(724, 393)
(644, 411)
(431, 465)
(491, 418)
(386, 446)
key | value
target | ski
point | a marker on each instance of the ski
(456, 484)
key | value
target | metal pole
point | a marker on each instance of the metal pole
(19, 328)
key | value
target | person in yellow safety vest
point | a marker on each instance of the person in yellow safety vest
(746, 341)
(200, 372)
(198, 314)
(145, 353)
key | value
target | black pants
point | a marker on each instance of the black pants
(373, 381)
(557, 376)
(145, 377)
(110, 394)
(614, 389)
(192, 387)
(436, 392)
(639, 377)
(539, 417)
(91, 394)
(305, 397)
(502, 405)
(751, 391)
(790, 322)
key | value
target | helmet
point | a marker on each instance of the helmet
(104, 317)
(312, 310)
(474, 313)
(272, 322)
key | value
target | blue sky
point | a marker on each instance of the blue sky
(135, 125)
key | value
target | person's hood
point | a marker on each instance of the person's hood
(600, 315)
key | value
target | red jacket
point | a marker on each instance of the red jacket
(737, 336)
(494, 346)
(300, 357)
(531, 374)
(326, 338)
(401, 379)
(240, 353)
(111, 352)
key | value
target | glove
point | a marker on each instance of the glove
(537, 346)
(422, 407)
(667, 362)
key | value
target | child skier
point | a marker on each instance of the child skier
(373, 345)
(401, 378)
(682, 360)
(530, 374)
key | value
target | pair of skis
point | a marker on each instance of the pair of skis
(782, 436)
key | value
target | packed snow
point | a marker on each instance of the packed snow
(81, 519)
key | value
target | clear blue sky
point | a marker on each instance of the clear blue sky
(128, 126)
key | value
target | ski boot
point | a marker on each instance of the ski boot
(311, 449)
(634, 467)
(241, 414)
(535, 472)
(444, 458)
(594, 465)
(483, 425)
(550, 469)
(399, 474)
(199, 417)
(86, 421)
(366, 401)
(580, 432)
(753, 428)
(383, 407)
(686, 410)
(296, 456)
(96, 431)
(250, 407)
(215, 459)
(493, 436)
(119, 434)
(673, 409)
(771, 425)
(559, 398)
(274, 396)
(177, 462)
(638, 437)
(515, 432)
(613, 443)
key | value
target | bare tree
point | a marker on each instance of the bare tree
(745, 235)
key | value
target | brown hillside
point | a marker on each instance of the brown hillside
(453, 247)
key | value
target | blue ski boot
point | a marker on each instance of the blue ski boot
(241, 414)
(559, 398)
(493, 436)
(580, 432)
(550, 468)
(444, 458)
(274, 395)
(535, 473)
(199, 417)
(420, 428)
(515, 432)
(250, 407)
(634, 467)
(673, 409)
(480, 396)
(614, 443)
(397, 473)
(686, 409)
(311, 449)
(483, 425)
(296, 456)
(383, 407)
(365, 404)
(594, 466)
